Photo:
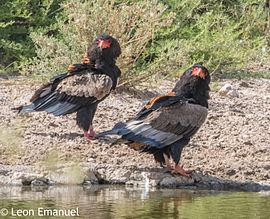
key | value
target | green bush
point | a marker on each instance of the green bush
(133, 23)
(17, 19)
(158, 37)
(224, 35)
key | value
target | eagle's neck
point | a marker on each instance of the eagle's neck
(199, 91)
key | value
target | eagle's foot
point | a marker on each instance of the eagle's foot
(90, 134)
(179, 170)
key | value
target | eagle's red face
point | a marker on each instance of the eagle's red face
(103, 43)
(196, 71)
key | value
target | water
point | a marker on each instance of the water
(121, 202)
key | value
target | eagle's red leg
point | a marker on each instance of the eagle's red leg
(90, 134)
(168, 163)
(179, 169)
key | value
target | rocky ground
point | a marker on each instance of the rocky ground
(231, 150)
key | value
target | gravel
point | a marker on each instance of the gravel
(232, 146)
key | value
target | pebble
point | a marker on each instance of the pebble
(220, 146)
(228, 90)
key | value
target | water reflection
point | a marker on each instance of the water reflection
(117, 202)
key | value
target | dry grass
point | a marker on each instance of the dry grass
(134, 24)
(11, 138)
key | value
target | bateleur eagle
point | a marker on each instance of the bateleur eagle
(82, 87)
(166, 123)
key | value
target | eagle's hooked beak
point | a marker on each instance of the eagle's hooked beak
(100, 45)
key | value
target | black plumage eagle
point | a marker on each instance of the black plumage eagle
(166, 124)
(82, 87)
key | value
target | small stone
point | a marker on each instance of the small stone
(27, 178)
(233, 93)
(225, 89)
(231, 172)
(244, 84)
(172, 182)
(26, 181)
(67, 175)
(267, 167)
(90, 178)
(40, 182)
(248, 143)
(15, 182)
(4, 172)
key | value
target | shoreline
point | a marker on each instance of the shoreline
(87, 175)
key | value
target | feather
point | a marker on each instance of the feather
(166, 123)
(82, 87)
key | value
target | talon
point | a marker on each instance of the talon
(90, 134)
(179, 170)
(189, 171)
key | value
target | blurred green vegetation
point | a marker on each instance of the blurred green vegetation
(11, 137)
(159, 38)
(18, 18)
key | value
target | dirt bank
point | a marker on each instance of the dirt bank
(232, 145)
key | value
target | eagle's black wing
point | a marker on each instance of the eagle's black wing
(68, 92)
